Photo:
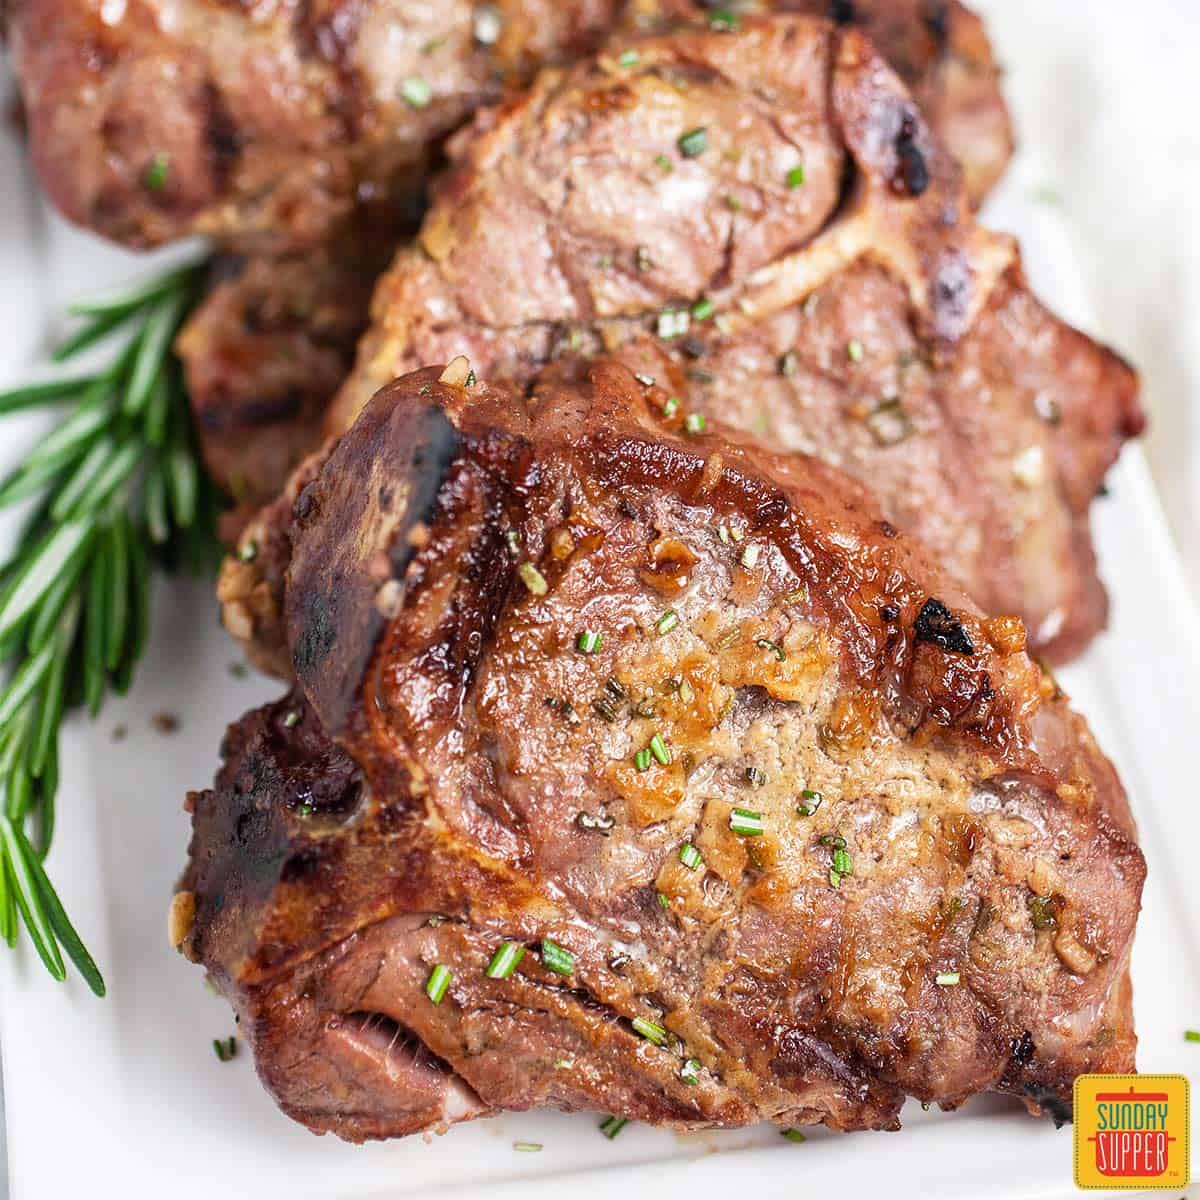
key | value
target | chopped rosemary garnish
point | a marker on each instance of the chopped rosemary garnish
(795, 177)
(690, 856)
(693, 143)
(117, 488)
(437, 983)
(774, 647)
(746, 822)
(695, 423)
(810, 801)
(703, 309)
(793, 1135)
(504, 961)
(557, 959)
(629, 58)
(156, 172)
(533, 579)
(650, 1031)
(225, 1048)
(664, 162)
(666, 622)
(832, 839)
(671, 406)
(588, 642)
(416, 92)
(660, 750)
(723, 20)
(611, 1126)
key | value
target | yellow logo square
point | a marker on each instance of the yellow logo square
(1131, 1131)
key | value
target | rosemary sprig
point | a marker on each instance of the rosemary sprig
(113, 489)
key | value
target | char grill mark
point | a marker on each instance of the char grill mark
(884, 942)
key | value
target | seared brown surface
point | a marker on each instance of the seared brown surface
(266, 352)
(860, 315)
(451, 771)
(267, 122)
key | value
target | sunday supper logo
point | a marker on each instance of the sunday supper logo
(1131, 1131)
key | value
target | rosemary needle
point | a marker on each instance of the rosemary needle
(114, 488)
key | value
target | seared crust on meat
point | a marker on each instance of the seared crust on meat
(272, 119)
(270, 344)
(860, 315)
(947, 909)
(266, 123)
(269, 347)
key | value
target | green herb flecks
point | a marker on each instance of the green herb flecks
(416, 92)
(693, 143)
(504, 961)
(157, 169)
(437, 983)
(557, 959)
(611, 1126)
(225, 1048)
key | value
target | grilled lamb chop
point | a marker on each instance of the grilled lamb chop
(261, 368)
(770, 211)
(774, 823)
(266, 124)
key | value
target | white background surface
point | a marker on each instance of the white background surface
(1106, 93)
(127, 1094)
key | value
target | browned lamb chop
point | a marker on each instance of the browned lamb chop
(260, 364)
(266, 123)
(765, 220)
(635, 768)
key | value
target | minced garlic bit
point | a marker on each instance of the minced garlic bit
(457, 371)
(180, 918)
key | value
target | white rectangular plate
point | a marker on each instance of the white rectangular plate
(127, 1091)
